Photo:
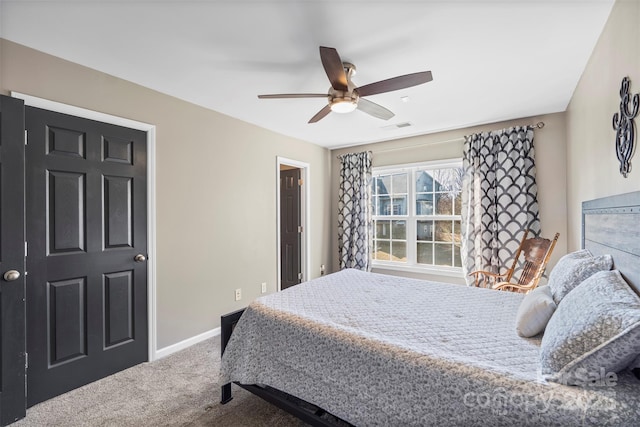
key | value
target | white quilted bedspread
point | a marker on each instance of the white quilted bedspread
(381, 350)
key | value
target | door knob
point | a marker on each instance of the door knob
(11, 275)
(139, 258)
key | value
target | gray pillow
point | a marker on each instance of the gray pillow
(572, 269)
(534, 312)
(635, 364)
(635, 367)
(594, 331)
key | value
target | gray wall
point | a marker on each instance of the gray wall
(216, 189)
(550, 165)
(592, 166)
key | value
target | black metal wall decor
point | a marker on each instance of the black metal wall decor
(625, 127)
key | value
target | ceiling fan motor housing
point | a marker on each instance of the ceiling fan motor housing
(345, 101)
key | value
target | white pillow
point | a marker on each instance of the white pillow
(595, 330)
(572, 269)
(534, 312)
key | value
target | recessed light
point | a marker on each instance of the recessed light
(404, 98)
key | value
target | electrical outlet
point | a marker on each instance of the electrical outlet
(238, 294)
(264, 287)
(322, 270)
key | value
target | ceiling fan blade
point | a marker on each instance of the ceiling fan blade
(376, 110)
(395, 83)
(321, 114)
(293, 95)
(333, 67)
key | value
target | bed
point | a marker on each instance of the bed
(356, 348)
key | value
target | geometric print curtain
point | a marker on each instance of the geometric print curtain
(354, 211)
(499, 197)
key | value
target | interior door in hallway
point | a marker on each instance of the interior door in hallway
(290, 247)
(86, 228)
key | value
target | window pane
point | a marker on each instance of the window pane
(399, 182)
(443, 253)
(383, 250)
(424, 182)
(399, 251)
(399, 206)
(424, 204)
(439, 176)
(399, 230)
(444, 231)
(444, 204)
(384, 205)
(448, 180)
(425, 230)
(458, 204)
(383, 183)
(383, 229)
(425, 253)
(457, 261)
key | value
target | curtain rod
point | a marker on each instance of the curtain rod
(538, 125)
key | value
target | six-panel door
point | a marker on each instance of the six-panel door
(86, 223)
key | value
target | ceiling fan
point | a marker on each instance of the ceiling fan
(344, 96)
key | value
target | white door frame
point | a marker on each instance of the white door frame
(305, 215)
(151, 191)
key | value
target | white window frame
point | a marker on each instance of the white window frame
(411, 219)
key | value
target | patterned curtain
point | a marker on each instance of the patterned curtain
(354, 211)
(499, 197)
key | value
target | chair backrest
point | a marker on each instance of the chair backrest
(533, 256)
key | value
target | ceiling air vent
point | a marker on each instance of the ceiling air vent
(398, 125)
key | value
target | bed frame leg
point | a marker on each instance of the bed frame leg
(227, 324)
(225, 395)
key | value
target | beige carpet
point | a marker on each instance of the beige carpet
(179, 390)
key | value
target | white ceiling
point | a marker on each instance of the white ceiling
(491, 60)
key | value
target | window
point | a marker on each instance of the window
(416, 213)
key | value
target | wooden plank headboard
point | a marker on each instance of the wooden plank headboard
(611, 225)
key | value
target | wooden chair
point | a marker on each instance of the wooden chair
(536, 252)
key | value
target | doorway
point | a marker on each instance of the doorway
(292, 220)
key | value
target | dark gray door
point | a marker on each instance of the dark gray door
(12, 306)
(290, 257)
(87, 242)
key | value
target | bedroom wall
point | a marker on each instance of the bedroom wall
(550, 149)
(592, 166)
(216, 189)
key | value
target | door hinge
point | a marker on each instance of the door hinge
(299, 276)
(300, 229)
(26, 249)
(26, 360)
(25, 137)
(300, 182)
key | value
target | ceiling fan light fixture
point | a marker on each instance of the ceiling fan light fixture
(343, 105)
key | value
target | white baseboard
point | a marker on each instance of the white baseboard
(173, 348)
